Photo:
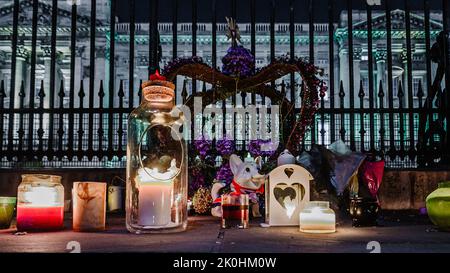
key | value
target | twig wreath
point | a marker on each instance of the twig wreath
(239, 75)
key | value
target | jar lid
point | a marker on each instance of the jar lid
(41, 178)
(7, 200)
(158, 93)
(158, 89)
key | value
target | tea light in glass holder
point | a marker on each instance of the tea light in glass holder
(317, 217)
(89, 206)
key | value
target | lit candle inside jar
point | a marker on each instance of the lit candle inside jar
(317, 217)
(155, 195)
(41, 209)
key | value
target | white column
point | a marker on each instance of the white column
(405, 83)
(343, 75)
(102, 73)
(79, 51)
(380, 57)
(357, 51)
(21, 70)
(46, 50)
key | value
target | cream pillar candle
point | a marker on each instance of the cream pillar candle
(154, 203)
(155, 195)
(89, 206)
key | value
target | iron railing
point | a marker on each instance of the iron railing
(85, 125)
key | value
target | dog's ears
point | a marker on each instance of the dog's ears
(235, 162)
(258, 162)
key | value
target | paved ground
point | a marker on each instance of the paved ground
(398, 233)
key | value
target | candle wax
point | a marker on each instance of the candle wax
(317, 221)
(155, 204)
(40, 218)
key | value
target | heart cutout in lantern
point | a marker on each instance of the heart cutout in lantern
(289, 172)
(302, 190)
(281, 191)
(288, 196)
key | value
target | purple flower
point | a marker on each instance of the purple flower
(196, 182)
(225, 147)
(261, 147)
(238, 62)
(224, 173)
(203, 146)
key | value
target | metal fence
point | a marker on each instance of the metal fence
(83, 124)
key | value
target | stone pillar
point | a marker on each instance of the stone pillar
(357, 52)
(3, 59)
(102, 73)
(343, 75)
(21, 70)
(380, 58)
(141, 71)
(405, 83)
(79, 73)
(46, 56)
(405, 74)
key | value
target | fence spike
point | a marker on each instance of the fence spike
(22, 91)
(420, 92)
(341, 90)
(184, 92)
(81, 93)
(400, 93)
(361, 93)
(2, 90)
(101, 91)
(140, 91)
(61, 92)
(380, 90)
(121, 93)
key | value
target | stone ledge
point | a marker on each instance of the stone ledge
(409, 189)
(400, 190)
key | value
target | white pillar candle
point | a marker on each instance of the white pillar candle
(154, 203)
(155, 196)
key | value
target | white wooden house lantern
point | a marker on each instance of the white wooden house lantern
(287, 193)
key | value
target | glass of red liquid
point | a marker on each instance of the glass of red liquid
(235, 210)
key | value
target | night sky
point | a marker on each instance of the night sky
(262, 11)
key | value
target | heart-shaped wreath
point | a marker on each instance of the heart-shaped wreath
(239, 75)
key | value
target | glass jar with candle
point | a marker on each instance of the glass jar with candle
(156, 194)
(317, 217)
(235, 210)
(40, 203)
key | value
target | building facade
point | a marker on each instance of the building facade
(204, 47)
